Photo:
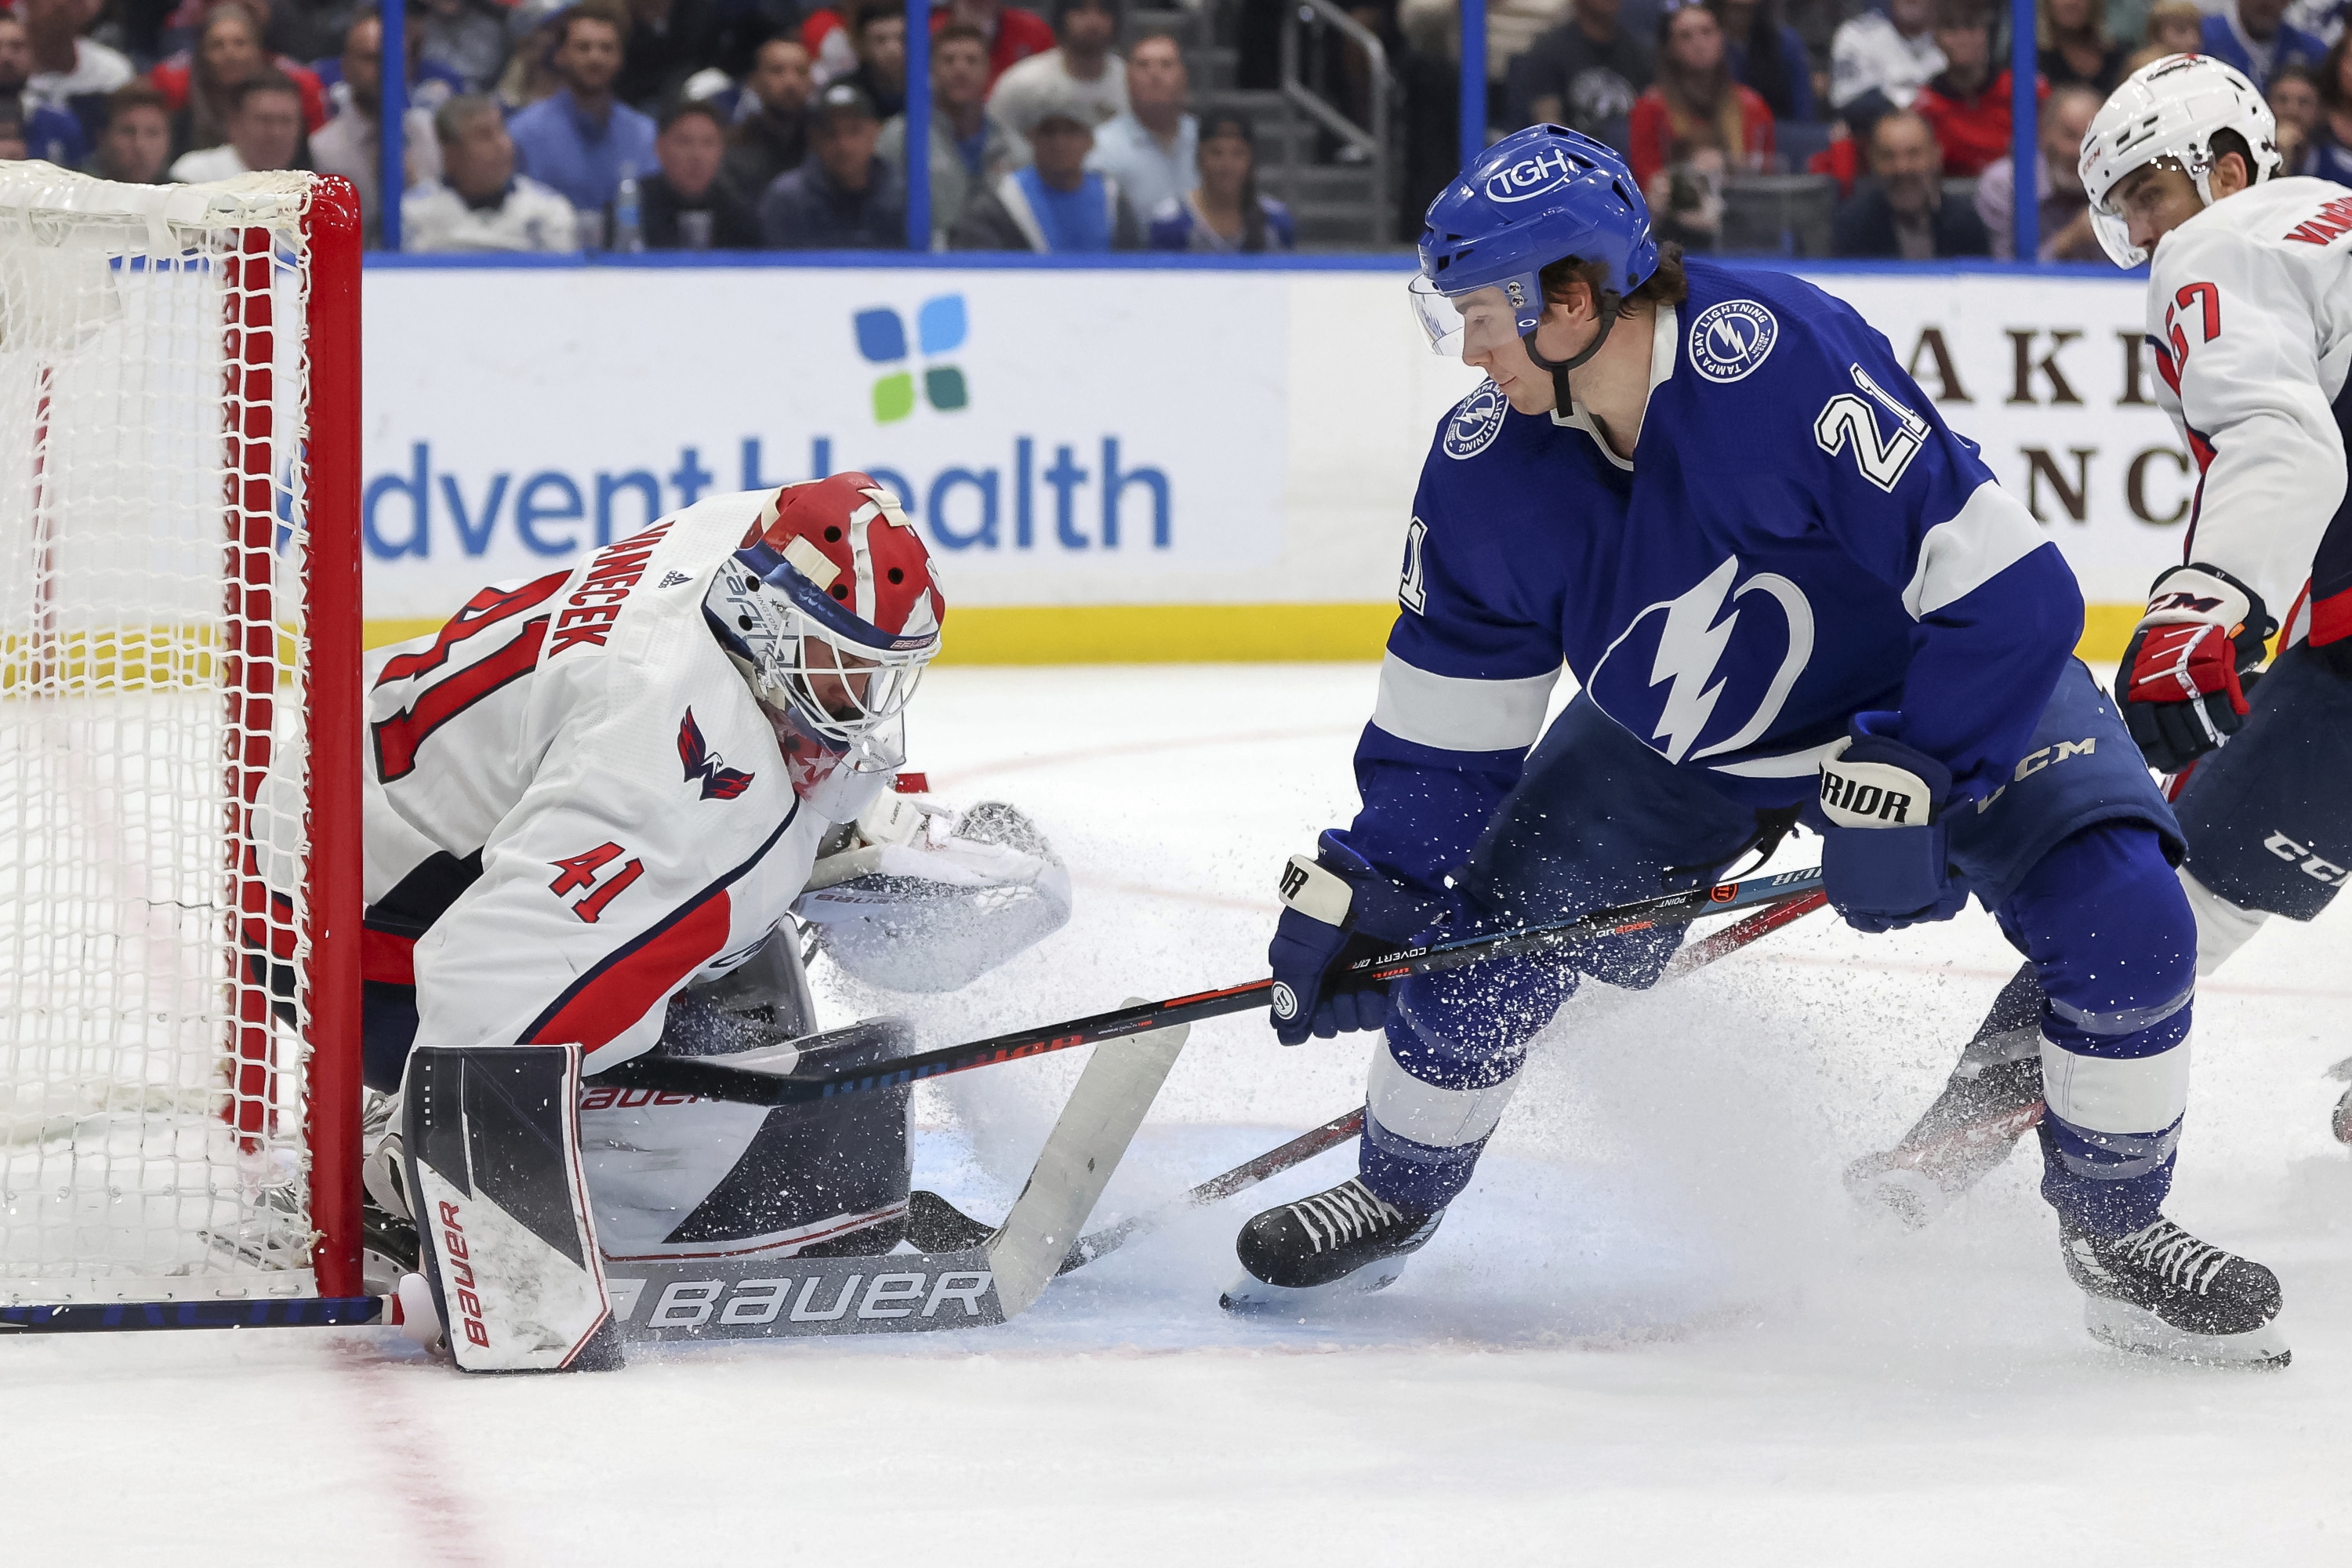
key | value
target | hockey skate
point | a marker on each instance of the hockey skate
(388, 1243)
(2161, 1291)
(1340, 1243)
(1992, 1099)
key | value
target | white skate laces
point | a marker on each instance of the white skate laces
(2176, 1257)
(1344, 1213)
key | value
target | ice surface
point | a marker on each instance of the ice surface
(1653, 1332)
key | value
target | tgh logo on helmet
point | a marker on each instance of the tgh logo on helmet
(1531, 177)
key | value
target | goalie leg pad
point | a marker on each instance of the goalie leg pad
(494, 1173)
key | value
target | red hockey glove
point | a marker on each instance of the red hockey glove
(2182, 686)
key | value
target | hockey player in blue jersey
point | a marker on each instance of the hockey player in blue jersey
(1790, 593)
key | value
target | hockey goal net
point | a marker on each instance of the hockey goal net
(179, 687)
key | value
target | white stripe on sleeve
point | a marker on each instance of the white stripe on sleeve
(1991, 533)
(2102, 1094)
(1452, 713)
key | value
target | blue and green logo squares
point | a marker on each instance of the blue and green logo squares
(940, 327)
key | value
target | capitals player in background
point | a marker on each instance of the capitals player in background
(596, 799)
(2250, 323)
(1790, 593)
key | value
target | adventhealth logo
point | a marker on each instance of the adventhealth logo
(984, 486)
(940, 327)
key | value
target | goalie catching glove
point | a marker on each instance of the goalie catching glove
(923, 899)
(1883, 851)
(2182, 684)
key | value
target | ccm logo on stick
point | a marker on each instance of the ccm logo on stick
(458, 1280)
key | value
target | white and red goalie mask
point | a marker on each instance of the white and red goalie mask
(832, 608)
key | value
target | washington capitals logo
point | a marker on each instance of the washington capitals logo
(720, 781)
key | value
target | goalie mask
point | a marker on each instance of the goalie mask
(830, 608)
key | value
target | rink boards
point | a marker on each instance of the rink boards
(1119, 463)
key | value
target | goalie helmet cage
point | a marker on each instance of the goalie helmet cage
(180, 856)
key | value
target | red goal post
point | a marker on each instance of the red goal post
(180, 724)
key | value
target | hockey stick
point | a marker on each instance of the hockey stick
(836, 1279)
(768, 1297)
(1339, 1128)
(746, 1085)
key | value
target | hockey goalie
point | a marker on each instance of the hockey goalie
(597, 800)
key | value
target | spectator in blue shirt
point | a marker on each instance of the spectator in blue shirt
(1224, 213)
(1057, 206)
(845, 197)
(2252, 36)
(49, 133)
(583, 140)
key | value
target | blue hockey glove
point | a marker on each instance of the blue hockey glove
(1883, 860)
(1335, 906)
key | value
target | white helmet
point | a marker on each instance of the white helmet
(2171, 109)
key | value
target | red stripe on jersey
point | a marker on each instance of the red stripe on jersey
(628, 984)
(387, 958)
(398, 738)
(616, 996)
(483, 610)
(2331, 618)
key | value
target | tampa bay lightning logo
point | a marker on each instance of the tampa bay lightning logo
(1692, 681)
(1478, 420)
(1731, 339)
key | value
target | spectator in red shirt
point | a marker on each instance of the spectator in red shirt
(1696, 101)
(1012, 34)
(1968, 106)
(227, 51)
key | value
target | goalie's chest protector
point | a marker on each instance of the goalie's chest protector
(668, 741)
(1708, 593)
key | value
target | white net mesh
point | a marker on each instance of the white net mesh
(155, 672)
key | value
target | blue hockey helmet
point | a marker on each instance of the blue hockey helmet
(1537, 195)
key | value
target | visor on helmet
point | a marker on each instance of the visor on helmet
(1479, 318)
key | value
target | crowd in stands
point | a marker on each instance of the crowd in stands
(1904, 104)
(556, 125)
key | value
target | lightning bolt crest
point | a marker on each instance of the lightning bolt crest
(1726, 339)
(1688, 651)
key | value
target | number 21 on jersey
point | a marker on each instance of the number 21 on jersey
(1849, 421)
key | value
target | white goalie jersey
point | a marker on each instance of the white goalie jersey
(2249, 314)
(585, 742)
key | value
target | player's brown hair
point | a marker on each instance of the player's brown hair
(1668, 285)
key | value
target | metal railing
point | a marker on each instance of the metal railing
(1373, 141)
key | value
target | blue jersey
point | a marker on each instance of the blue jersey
(1798, 538)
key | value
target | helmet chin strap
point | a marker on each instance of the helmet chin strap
(1610, 305)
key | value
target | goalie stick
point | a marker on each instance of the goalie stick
(657, 1299)
(782, 1084)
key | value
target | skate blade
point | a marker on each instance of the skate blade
(2124, 1327)
(1251, 1296)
